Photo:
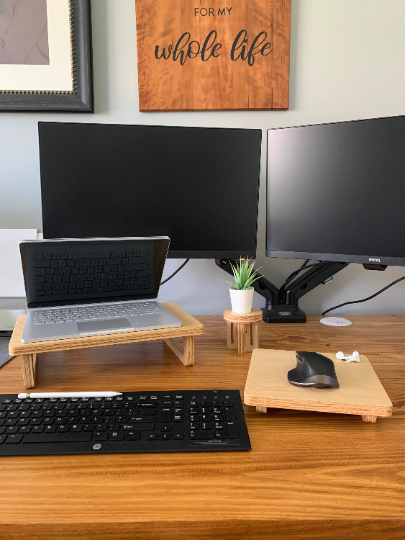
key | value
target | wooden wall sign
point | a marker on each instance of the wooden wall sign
(213, 54)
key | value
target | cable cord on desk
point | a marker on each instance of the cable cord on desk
(174, 273)
(365, 299)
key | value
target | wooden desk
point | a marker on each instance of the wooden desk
(308, 476)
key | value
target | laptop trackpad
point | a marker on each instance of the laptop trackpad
(104, 324)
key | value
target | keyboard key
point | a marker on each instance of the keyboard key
(56, 438)
(152, 437)
(137, 419)
(14, 439)
(142, 404)
(232, 430)
(141, 426)
(116, 436)
(100, 436)
(133, 435)
(201, 435)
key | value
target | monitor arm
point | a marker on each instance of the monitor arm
(282, 306)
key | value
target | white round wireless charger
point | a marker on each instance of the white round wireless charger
(336, 321)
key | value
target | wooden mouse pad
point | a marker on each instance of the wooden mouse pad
(360, 393)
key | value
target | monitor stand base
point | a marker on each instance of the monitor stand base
(283, 313)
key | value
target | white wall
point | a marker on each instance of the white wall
(347, 62)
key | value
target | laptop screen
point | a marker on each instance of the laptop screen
(69, 271)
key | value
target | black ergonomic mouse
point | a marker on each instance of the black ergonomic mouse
(314, 370)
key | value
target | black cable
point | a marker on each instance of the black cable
(293, 274)
(365, 299)
(174, 273)
(304, 266)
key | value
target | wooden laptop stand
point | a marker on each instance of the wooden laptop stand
(180, 340)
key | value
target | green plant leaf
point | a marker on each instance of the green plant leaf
(244, 274)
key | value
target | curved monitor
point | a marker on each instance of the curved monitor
(199, 186)
(336, 192)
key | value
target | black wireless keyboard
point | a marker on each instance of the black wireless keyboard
(173, 421)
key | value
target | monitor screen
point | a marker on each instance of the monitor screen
(199, 186)
(336, 192)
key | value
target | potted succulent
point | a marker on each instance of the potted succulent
(242, 291)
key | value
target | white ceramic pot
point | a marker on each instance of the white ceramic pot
(241, 301)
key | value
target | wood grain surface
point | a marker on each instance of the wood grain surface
(214, 79)
(309, 475)
(256, 315)
(243, 330)
(360, 392)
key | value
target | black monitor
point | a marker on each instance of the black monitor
(199, 186)
(336, 192)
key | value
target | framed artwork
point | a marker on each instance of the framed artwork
(213, 56)
(45, 56)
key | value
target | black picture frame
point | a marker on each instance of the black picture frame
(80, 100)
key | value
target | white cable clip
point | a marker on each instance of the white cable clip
(355, 357)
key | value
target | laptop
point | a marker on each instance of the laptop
(86, 287)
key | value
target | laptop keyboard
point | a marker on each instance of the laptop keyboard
(169, 421)
(95, 311)
(79, 273)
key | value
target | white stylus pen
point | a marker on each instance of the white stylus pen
(69, 395)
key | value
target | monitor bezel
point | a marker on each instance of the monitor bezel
(359, 259)
(211, 254)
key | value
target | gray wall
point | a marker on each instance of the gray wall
(347, 62)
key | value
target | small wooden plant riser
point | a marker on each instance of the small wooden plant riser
(180, 340)
(360, 392)
(243, 330)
